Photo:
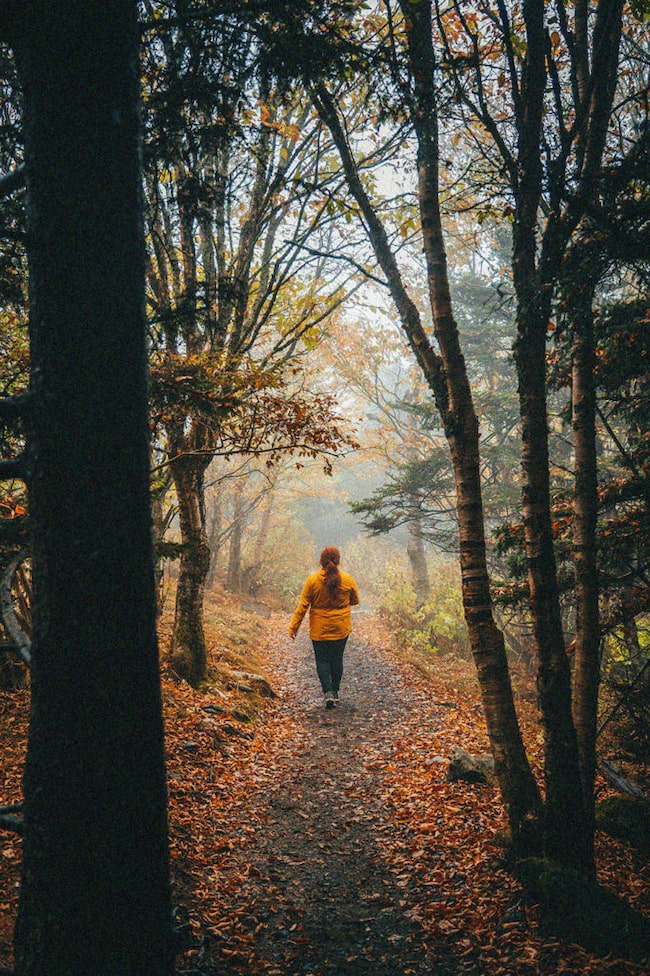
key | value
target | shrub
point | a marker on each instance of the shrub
(436, 627)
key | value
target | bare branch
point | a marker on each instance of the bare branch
(418, 339)
(614, 776)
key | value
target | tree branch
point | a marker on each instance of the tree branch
(12, 407)
(13, 628)
(12, 181)
(428, 359)
(613, 776)
(9, 821)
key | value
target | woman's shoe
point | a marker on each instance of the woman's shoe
(329, 700)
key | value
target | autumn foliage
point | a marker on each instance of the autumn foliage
(278, 815)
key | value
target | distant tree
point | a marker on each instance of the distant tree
(95, 887)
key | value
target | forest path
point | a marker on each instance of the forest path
(335, 875)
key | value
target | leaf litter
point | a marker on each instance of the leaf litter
(307, 842)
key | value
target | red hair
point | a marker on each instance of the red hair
(330, 558)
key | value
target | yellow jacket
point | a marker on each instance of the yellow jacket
(329, 619)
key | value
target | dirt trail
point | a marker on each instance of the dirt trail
(321, 879)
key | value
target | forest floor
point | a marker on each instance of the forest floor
(314, 842)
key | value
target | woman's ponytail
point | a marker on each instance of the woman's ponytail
(330, 558)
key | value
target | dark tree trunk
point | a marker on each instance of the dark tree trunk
(569, 173)
(95, 891)
(565, 830)
(565, 825)
(189, 656)
(586, 675)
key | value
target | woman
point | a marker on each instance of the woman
(329, 594)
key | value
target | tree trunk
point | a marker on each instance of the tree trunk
(265, 525)
(539, 244)
(418, 561)
(161, 518)
(189, 655)
(95, 886)
(214, 534)
(586, 675)
(448, 381)
(565, 827)
(233, 582)
(461, 429)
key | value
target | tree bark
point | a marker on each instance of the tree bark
(565, 832)
(447, 379)
(586, 673)
(95, 886)
(160, 521)
(215, 507)
(234, 578)
(516, 780)
(266, 517)
(189, 655)
(418, 561)
(569, 174)
(565, 826)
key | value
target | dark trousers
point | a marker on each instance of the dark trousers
(329, 663)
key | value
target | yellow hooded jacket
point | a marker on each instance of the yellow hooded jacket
(329, 618)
